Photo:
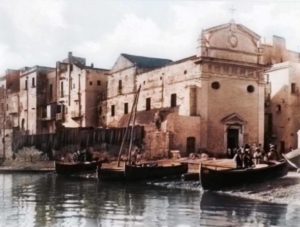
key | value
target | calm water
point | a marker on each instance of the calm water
(48, 200)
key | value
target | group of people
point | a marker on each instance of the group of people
(81, 155)
(248, 156)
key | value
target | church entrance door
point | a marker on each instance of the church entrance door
(232, 138)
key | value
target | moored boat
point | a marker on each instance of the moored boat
(70, 168)
(150, 171)
(214, 178)
(142, 172)
(111, 174)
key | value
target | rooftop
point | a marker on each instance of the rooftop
(147, 62)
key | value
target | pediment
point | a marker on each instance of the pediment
(233, 118)
(231, 36)
(121, 63)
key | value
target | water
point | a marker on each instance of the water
(49, 200)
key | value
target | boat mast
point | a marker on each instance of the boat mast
(132, 128)
(128, 124)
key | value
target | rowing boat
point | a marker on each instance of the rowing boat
(214, 178)
(70, 168)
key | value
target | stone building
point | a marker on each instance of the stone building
(9, 110)
(283, 104)
(47, 114)
(33, 84)
(12, 98)
(207, 102)
(122, 84)
(79, 90)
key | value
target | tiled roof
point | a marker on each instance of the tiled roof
(147, 62)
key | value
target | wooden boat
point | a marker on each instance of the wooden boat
(213, 178)
(145, 171)
(150, 171)
(111, 174)
(70, 168)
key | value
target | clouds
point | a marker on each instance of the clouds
(30, 29)
(43, 31)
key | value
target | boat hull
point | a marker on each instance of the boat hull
(148, 172)
(63, 168)
(111, 174)
(212, 179)
(141, 172)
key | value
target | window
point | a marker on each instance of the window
(148, 103)
(61, 89)
(23, 123)
(100, 110)
(184, 72)
(278, 108)
(50, 91)
(215, 85)
(293, 88)
(91, 83)
(250, 89)
(98, 83)
(112, 110)
(33, 82)
(173, 100)
(26, 84)
(126, 108)
(120, 86)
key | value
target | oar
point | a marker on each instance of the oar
(291, 163)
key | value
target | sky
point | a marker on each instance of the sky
(41, 32)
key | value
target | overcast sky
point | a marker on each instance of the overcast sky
(41, 32)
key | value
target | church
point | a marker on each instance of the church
(207, 102)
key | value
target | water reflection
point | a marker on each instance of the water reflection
(223, 210)
(50, 200)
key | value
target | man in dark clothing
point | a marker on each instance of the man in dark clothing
(238, 159)
(248, 162)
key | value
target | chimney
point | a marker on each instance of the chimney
(92, 65)
(70, 54)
